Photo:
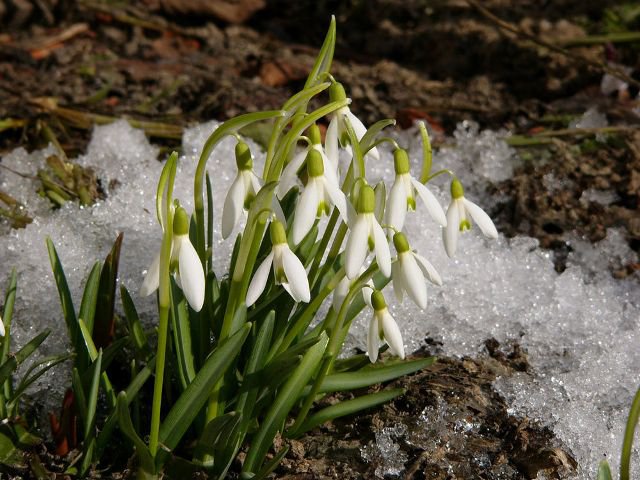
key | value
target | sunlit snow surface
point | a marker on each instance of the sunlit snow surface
(579, 327)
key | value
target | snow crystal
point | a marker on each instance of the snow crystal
(579, 327)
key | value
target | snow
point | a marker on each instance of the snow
(579, 327)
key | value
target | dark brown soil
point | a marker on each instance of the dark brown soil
(66, 65)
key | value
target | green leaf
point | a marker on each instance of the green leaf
(7, 315)
(103, 328)
(209, 192)
(287, 397)
(15, 440)
(127, 428)
(271, 465)
(347, 408)
(372, 374)
(134, 325)
(90, 423)
(604, 472)
(80, 398)
(181, 336)
(324, 58)
(629, 432)
(93, 355)
(90, 297)
(188, 405)
(216, 434)
(11, 364)
(369, 138)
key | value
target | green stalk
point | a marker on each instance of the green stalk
(164, 300)
(632, 421)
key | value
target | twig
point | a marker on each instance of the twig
(547, 137)
(618, 37)
(518, 31)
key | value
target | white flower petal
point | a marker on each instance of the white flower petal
(338, 199)
(340, 293)
(289, 176)
(296, 276)
(373, 339)
(233, 206)
(259, 280)
(277, 210)
(306, 211)
(481, 218)
(397, 205)
(451, 231)
(383, 255)
(392, 334)
(360, 130)
(255, 182)
(2, 332)
(429, 270)
(331, 142)
(191, 273)
(413, 279)
(330, 172)
(357, 247)
(152, 278)
(396, 280)
(433, 206)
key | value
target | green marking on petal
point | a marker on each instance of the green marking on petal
(371, 242)
(411, 203)
(465, 225)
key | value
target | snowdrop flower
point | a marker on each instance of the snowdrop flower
(289, 177)
(457, 218)
(185, 263)
(337, 132)
(287, 269)
(342, 289)
(402, 194)
(1, 328)
(317, 198)
(383, 327)
(366, 234)
(242, 191)
(409, 271)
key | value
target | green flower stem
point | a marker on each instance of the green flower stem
(336, 338)
(7, 314)
(164, 301)
(632, 421)
(427, 153)
(230, 127)
(439, 172)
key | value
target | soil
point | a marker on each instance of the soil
(65, 66)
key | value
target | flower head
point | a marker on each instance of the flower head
(337, 131)
(409, 271)
(287, 269)
(185, 264)
(383, 327)
(366, 234)
(403, 193)
(1, 328)
(459, 213)
(342, 290)
(317, 198)
(242, 191)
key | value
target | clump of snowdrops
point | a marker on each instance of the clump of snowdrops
(246, 356)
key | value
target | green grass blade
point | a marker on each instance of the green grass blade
(272, 464)
(90, 423)
(372, 374)
(188, 405)
(93, 355)
(369, 138)
(127, 428)
(348, 407)
(7, 316)
(134, 325)
(325, 57)
(11, 364)
(79, 396)
(627, 444)
(604, 471)
(103, 328)
(90, 297)
(209, 192)
(283, 403)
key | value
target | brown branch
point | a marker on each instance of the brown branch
(521, 33)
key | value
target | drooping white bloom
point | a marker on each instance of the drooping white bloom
(337, 131)
(409, 271)
(383, 327)
(242, 191)
(1, 327)
(458, 213)
(403, 192)
(287, 269)
(289, 176)
(185, 263)
(342, 289)
(366, 234)
(317, 198)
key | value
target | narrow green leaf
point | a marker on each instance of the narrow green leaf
(347, 408)
(218, 431)
(370, 375)
(324, 58)
(11, 364)
(80, 398)
(90, 297)
(271, 465)
(604, 471)
(127, 428)
(93, 355)
(15, 441)
(287, 396)
(103, 329)
(7, 316)
(188, 405)
(181, 336)
(209, 192)
(627, 443)
(134, 325)
(427, 154)
(90, 423)
(239, 318)
(257, 358)
(369, 138)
